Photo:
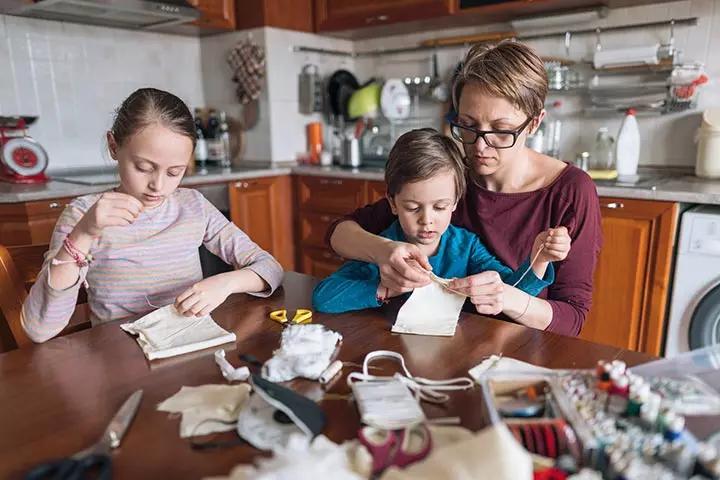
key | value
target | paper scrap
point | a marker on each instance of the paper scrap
(231, 373)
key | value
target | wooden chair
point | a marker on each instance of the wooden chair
(19, 267)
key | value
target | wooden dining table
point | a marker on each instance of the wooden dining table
(57, 398)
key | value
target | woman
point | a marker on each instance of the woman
(513, 194)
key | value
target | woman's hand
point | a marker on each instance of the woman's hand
(485, 290)
(113, 209)
(555, 244)
(400, 266)
(203, 297)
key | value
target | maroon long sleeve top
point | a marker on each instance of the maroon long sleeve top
(507, 224)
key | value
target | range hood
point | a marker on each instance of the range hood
(128, 14)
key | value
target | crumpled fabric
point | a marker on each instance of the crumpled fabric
(207, 408)
(305, 459)
(491, 453)
(305, 351)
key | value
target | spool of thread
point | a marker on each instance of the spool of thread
(605, 375)
(674, 428)
(619, 365)
(599, 369)
(633, 405)
(315, 141)
(330, 372)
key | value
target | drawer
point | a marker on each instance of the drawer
(319, 263)
(330, 195)
(314, 226)
(53, 207)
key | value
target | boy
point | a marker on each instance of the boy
(425, 178)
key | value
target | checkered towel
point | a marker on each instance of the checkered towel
(247, 62)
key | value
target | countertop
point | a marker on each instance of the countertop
(655, 186)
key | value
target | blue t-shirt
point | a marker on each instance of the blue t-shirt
(460, 254)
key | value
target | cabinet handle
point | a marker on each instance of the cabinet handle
(613, 205)
(327, 255)
(326, 181)
(55, 205)
(326, 219)
(245, 184)
(382, 18)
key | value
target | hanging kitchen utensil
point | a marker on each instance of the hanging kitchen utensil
(310, 94)
(438, 89)
(340, 87)
(395, 100)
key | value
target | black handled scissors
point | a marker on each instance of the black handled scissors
(94, 459)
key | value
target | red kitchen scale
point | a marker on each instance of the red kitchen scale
(22, 159)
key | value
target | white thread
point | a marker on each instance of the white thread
(530, 267)
(137, 241)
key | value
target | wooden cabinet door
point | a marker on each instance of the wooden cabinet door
(319, 263)
(348, 14)
(261, 208)
(632, 274)
(376, 191)
(218, 14)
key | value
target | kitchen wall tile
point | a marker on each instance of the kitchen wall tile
(75, 76)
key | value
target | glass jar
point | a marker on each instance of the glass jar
(602, 156)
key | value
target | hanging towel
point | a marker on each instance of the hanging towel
(165, 333)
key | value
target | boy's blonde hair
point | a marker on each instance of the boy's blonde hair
(506, 69)
(418, 155)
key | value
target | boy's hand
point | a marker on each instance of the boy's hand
(203, 297)
(555, 244)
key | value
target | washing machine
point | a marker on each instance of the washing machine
(694, 319)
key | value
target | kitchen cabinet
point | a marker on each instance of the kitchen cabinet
(348, 14)
(633, 274)
(29, 222)
(376, 191)
(262, 208)
(320, 201)
(216, 14)
(287, 14)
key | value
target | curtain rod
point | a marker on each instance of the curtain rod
(679, 22)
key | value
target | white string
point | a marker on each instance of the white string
(531, 265)
(137, 241)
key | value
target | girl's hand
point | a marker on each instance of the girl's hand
(203, 297)
(113, 209)
(485, 289)
(399, 265)
(555, 245)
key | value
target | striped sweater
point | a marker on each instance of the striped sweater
(155, 257)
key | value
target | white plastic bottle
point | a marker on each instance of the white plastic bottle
(627, 147)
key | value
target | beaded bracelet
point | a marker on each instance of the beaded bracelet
(81, 259)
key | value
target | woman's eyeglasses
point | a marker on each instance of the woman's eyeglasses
(493, 138)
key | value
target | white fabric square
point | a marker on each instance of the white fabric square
(430, 310)
(165, 333)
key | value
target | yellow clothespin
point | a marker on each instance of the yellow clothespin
(301, 316)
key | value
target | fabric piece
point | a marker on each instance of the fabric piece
(354, 285)
(430, 310)
(508, 223)
(305, 351)
(153, 260)
(306, 459)
(499, 364)
(387, 405)
(165, 333)
(247, 61)
(231, 373)
(258, 422)
(491, 453)
(207, 408)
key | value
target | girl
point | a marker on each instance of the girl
(136, 247)
(513, 194)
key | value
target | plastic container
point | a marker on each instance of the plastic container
(707, 160)
(553, 131)
(627, 149)
(603, 154)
